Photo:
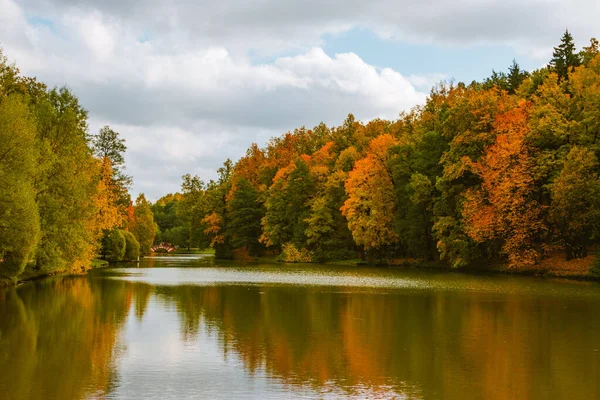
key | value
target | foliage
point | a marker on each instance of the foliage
(142, 225)
(132, 247)
(565, 58)
(108, 144)
(108, 211)
(575, 207)
(370, 206)
(289, 253)
(57, 197)
(504, 205)
(115, 245)
(287, 205)
(189, 212)
(502, 170)
(507, 81)
(19, 216)
(595, 269)
(245, 213)
(171, 216)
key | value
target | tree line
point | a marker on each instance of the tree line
(500, 170)
(64, 196)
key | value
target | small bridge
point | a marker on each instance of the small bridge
(163, 248)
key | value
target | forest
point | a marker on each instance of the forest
(500, 171)
(64, 195)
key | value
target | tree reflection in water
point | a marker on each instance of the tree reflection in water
(64, 337)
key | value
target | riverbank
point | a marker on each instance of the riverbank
(183, 250)
(554, 266)
(551, 267)
(30, 274)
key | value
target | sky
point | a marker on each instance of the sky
(190, 83)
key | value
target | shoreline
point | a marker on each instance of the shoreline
(545, 269)
(32, 276)
(538, 271)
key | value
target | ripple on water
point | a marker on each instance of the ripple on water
(170, 270)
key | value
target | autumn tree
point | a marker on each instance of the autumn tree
(55, 195)
(115, 245)
(215, 213)
(108, 145)
(171, 227)
(464, 118)
(481, 171)
(189, 210)
(584, 106)
(19, 217)
(66, 184)
(370, 206)
(415, 169)
(287, 205)
(575, 208)
(143, 226)
(588, 53)
(108, 215)
(327, 233)
(504, 206)
(132, 247)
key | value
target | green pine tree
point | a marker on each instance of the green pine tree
(245, 214)
(565, 59)
(515, 77)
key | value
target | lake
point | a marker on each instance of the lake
(190, 327)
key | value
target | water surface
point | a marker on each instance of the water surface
(188, 327)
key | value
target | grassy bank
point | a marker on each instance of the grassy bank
(31, 274)
(553, 266)
(182, 250)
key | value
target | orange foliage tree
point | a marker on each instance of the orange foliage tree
(504, 206)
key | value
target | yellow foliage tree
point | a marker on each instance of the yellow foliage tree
(370, 206)
(108, 215)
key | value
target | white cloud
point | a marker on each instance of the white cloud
(426, 81)
(270, 26)
(178, 82)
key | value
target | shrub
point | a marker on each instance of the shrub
(595, 269)
(334, 254)
(132, 247)
(223, 251)
(289, 253)
(115, 245)
(241, 253)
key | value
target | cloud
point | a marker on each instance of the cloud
(426, 81)
(182, 85)
(176, 121)
(157, 156)
(273, 26)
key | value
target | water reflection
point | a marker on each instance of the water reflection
(58, 338)
(117, 335)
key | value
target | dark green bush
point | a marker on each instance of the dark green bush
(595, 270)
(115, 245)
(132, 247)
